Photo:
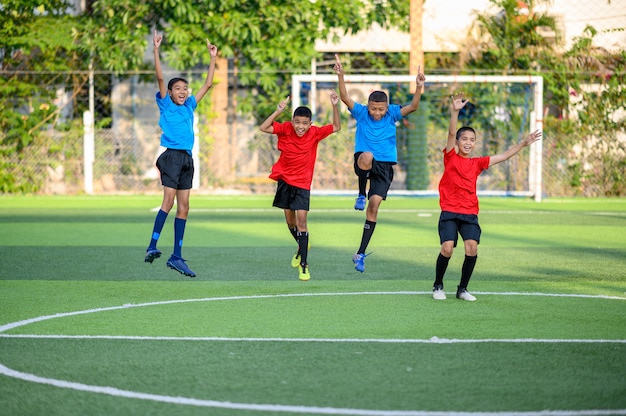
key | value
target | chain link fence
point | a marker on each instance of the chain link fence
(233, 155)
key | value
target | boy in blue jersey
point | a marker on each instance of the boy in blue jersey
(375, 150)
(176, 109)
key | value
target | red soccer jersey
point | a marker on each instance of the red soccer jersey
(297, 154)
(457, 188)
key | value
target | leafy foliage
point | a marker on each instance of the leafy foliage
(583, 86)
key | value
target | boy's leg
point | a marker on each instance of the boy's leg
(448, 236)
(166, 205)
(302, 236)
(471, 255)
(303, 240)
(362, 167)
(290, 219)
(176, 260)
(370, 222)
(381, 176)
(466, 271)
(152, 252)
(440, 270)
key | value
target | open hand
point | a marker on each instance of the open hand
(458, 101)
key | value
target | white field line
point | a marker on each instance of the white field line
(112, 391)
(6, 327)
(408, 211)
(433, 340)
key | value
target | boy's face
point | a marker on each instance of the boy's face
(377, 109)
(301, 125)
(179, 92)
(466, 142)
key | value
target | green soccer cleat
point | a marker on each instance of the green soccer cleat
(304, 272)
(295, 260)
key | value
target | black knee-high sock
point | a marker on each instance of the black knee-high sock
(363, 182)
(467, 270)
(294, 232)
(368, 230)
(440, 270)
(303, 246)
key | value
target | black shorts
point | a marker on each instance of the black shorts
(291, 197)
(451, 225)
(176, 167)
(380, 176)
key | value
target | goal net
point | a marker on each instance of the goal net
(502, 110)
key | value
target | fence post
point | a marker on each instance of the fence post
(88, 150)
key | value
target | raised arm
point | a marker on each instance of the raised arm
(334, 100)
(458, 102)
(157, 64)
(208, 82)
(343, 92)
(513, 150)
(266, 126)
(415, 102)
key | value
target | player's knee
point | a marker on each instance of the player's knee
(365, 160)
(447, 248)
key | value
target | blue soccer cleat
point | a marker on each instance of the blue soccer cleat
(359, 261)
(359, 203)
(178, 264)
(151, 254)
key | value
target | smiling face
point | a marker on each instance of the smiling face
(465, 141)
(179, 92)
(301, 124)
(377, 109)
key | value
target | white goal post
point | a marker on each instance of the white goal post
(536, 116)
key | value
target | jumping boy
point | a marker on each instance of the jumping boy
(458, 199)
(176, 109)
(375, 150)
(297, 143)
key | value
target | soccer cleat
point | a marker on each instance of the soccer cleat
(359, 203)
(304, 272)
(151, 254)
(438, 293)
(359, 261)
(178, 264)
(463, 294)
(295, 260)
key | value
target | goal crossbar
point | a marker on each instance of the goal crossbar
(535, 119)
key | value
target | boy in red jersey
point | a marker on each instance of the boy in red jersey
(297, 143)
(458, 199)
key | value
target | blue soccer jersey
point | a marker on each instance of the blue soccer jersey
(378, 137)
(176, 122)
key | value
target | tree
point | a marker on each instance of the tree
(266, 41)
(48, 44)
(584, 83)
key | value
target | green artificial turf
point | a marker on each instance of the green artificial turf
(78, 304)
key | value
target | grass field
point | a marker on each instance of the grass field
(88, 328)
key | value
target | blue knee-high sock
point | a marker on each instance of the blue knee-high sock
(179, 232)
(159, 221)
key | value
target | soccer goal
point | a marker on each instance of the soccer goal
(524, 95)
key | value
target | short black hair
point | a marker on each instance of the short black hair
(378, 97)
(462, 129)
(303, 111)
(174, 81)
